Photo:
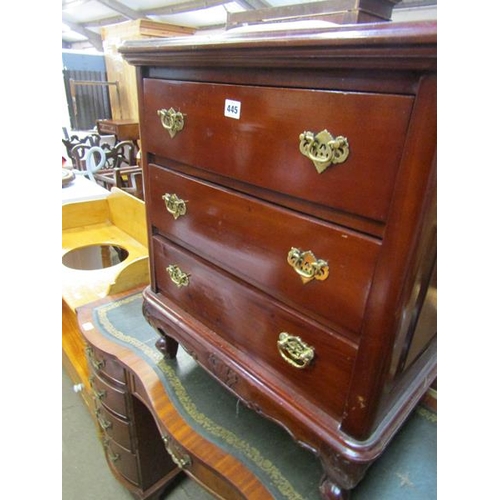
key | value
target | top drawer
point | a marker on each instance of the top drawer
(105, 365)
(259, 142)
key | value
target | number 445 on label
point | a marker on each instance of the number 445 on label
(232, 109)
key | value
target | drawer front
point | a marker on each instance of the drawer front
(112, 397)
(116, 428)
(121, 460)
(252, 322)
(252, 240)
(104, 365)
(261, 147)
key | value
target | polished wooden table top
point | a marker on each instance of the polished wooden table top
(124, 130)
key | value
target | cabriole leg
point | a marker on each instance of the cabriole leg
(330, 491)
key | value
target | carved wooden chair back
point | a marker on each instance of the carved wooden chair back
(123, 154)
(90, 140)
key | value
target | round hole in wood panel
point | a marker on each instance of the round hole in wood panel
(93, 257)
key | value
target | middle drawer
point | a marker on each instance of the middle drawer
(112, 397)
(116, 428)
(275, 249)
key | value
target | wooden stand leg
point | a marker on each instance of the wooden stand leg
(330, 491)
(341, 474)
(165, 344)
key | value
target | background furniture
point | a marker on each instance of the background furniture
(74, 140)
(129, 398)
(231, 450)
(339, 12)
(128, 432)
(119, 220)
(290, 190)
(123, 130)
(128, 179)
(118, 69)
(121, 154)
(120, 168)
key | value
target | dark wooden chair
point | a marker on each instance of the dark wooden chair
(122, 154)
(89, 140)
(118, 171)
(128, 179)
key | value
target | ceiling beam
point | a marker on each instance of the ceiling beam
(99, 23)
(253, 4)
(70, 4)
(122, 9)
(180, 8)
(411, 4)
(92, 37)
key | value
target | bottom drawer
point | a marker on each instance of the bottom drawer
(114, 427)
(312, 361)
(122, 460)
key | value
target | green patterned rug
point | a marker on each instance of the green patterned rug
(406, 470)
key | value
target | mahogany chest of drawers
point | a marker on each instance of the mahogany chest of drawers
(290, 188)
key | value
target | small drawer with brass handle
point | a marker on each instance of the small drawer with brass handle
(171, 120)
(109, 451)
(295, 351)
(112, 397)
(122, 460)
(97, 364)
(105, 365)
(174, 205)
(114, 427)
(98, 395)
(103, 423)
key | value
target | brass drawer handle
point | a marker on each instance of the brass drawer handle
(105, 424)
(99, 395)
(111, 455)
(323, 149)
(307, 266)
(98, 365)
(171, 120)
(294, 350)
(174, 205)
(182, 460)
(179, 277)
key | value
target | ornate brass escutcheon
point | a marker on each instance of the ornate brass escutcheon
(294, 350)
(174, 205)
(307, 266)
(171, 120)
(323, 149)
(182, 460)
(179, 277)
